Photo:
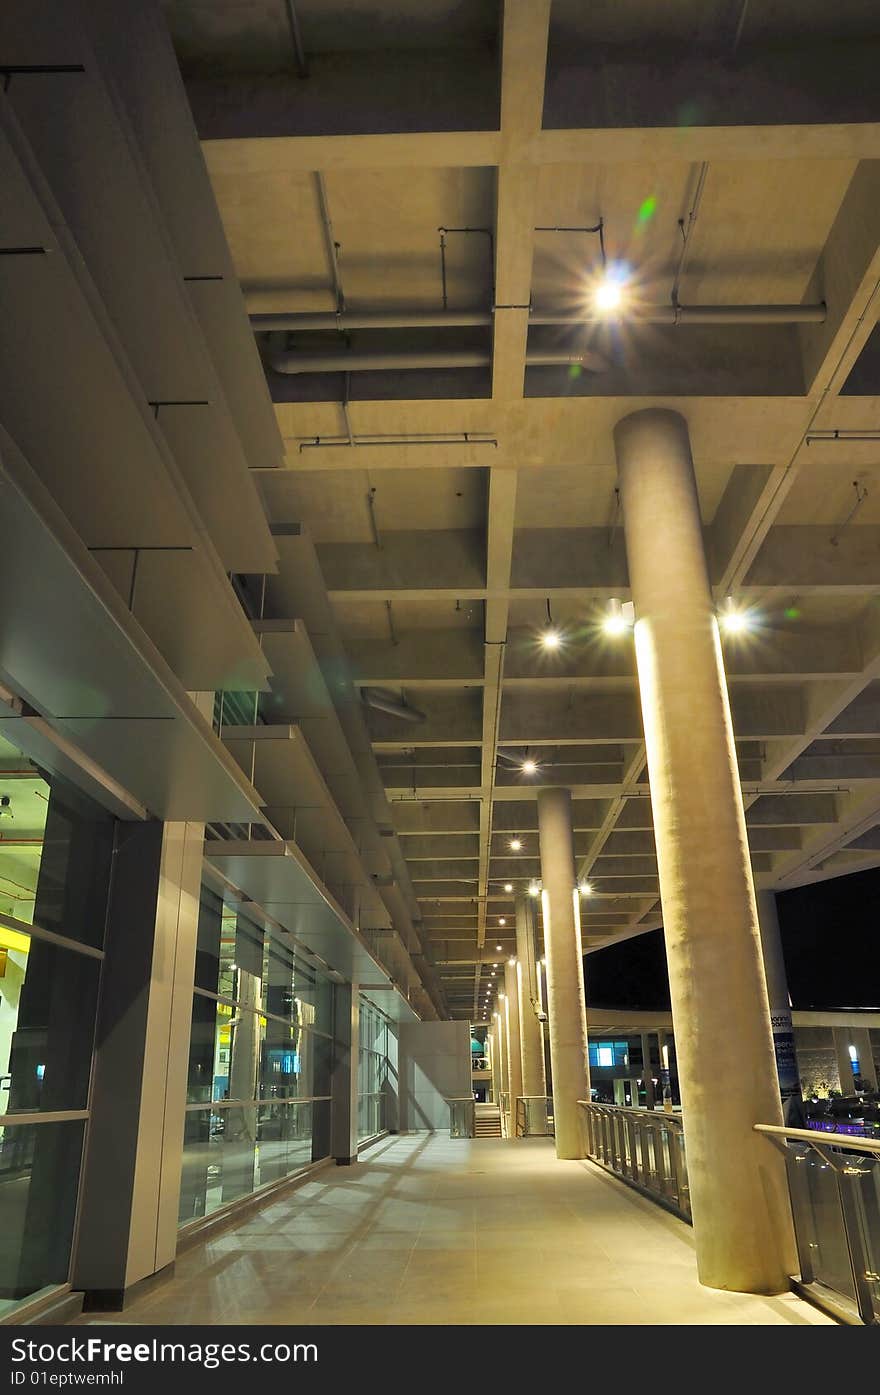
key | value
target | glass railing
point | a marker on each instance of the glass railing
(462, 1113)
(480, 1063)
(371, 1114)
(642, 1146)
(534, 1116)
(504, 1106)
(834, 1185)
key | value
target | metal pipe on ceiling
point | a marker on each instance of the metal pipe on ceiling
(471, 319)
(296, 36)
(383, 702)
(293, 362)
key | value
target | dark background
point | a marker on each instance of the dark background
(830, 938)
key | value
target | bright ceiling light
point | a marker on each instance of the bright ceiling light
(534, 889)
(608, 296)
(502, 920)
(511, 960)
(515, 844)
(508, 886)
(586, 889)
(732, 620)
(529, 767)
(497, 949)
(551, 638)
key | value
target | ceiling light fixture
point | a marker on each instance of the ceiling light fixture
(586, 889)
(529, 766)
(502, 920)
(534, 889)
(515, 844)
(550, 636)
(508, 886)
(732, 620)
(609, 293)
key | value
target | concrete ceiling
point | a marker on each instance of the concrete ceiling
(440, 553)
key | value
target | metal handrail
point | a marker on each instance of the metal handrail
(816, 1234)
(837, 1140)
(644, 1148)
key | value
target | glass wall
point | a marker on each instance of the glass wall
(260, 1058)
(372, 1071)
(608, 1053)
(56, 851)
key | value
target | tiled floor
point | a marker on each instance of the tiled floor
(429, 1230)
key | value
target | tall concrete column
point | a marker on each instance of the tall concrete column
(514, 1061)
(648, 1071)
(495, 1059)
(721, 1017)
(566, 1005)
(501, 1028)
(531, 1035)
(777, 995)
(344, 1075)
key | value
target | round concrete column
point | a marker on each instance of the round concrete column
(514, 1061)
(777, 996)
(501, 1038)
(565, 970)
(531, 1036)
(648, 1071)
(721, 1018)
(495, 1057)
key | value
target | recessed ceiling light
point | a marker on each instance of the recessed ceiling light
(515, 844)
(508, 886)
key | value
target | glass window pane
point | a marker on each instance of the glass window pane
(39, 1176)
(48, 1001)
(229, 1153)
(56, 853)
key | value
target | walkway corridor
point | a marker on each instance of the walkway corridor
(429, 1230)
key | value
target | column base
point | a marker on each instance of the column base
(345, 1162)
(115, 1300)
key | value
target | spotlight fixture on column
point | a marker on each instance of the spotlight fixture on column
(534, 889)
(585, 889)
(619, 617)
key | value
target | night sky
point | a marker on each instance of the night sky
(830, 938)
